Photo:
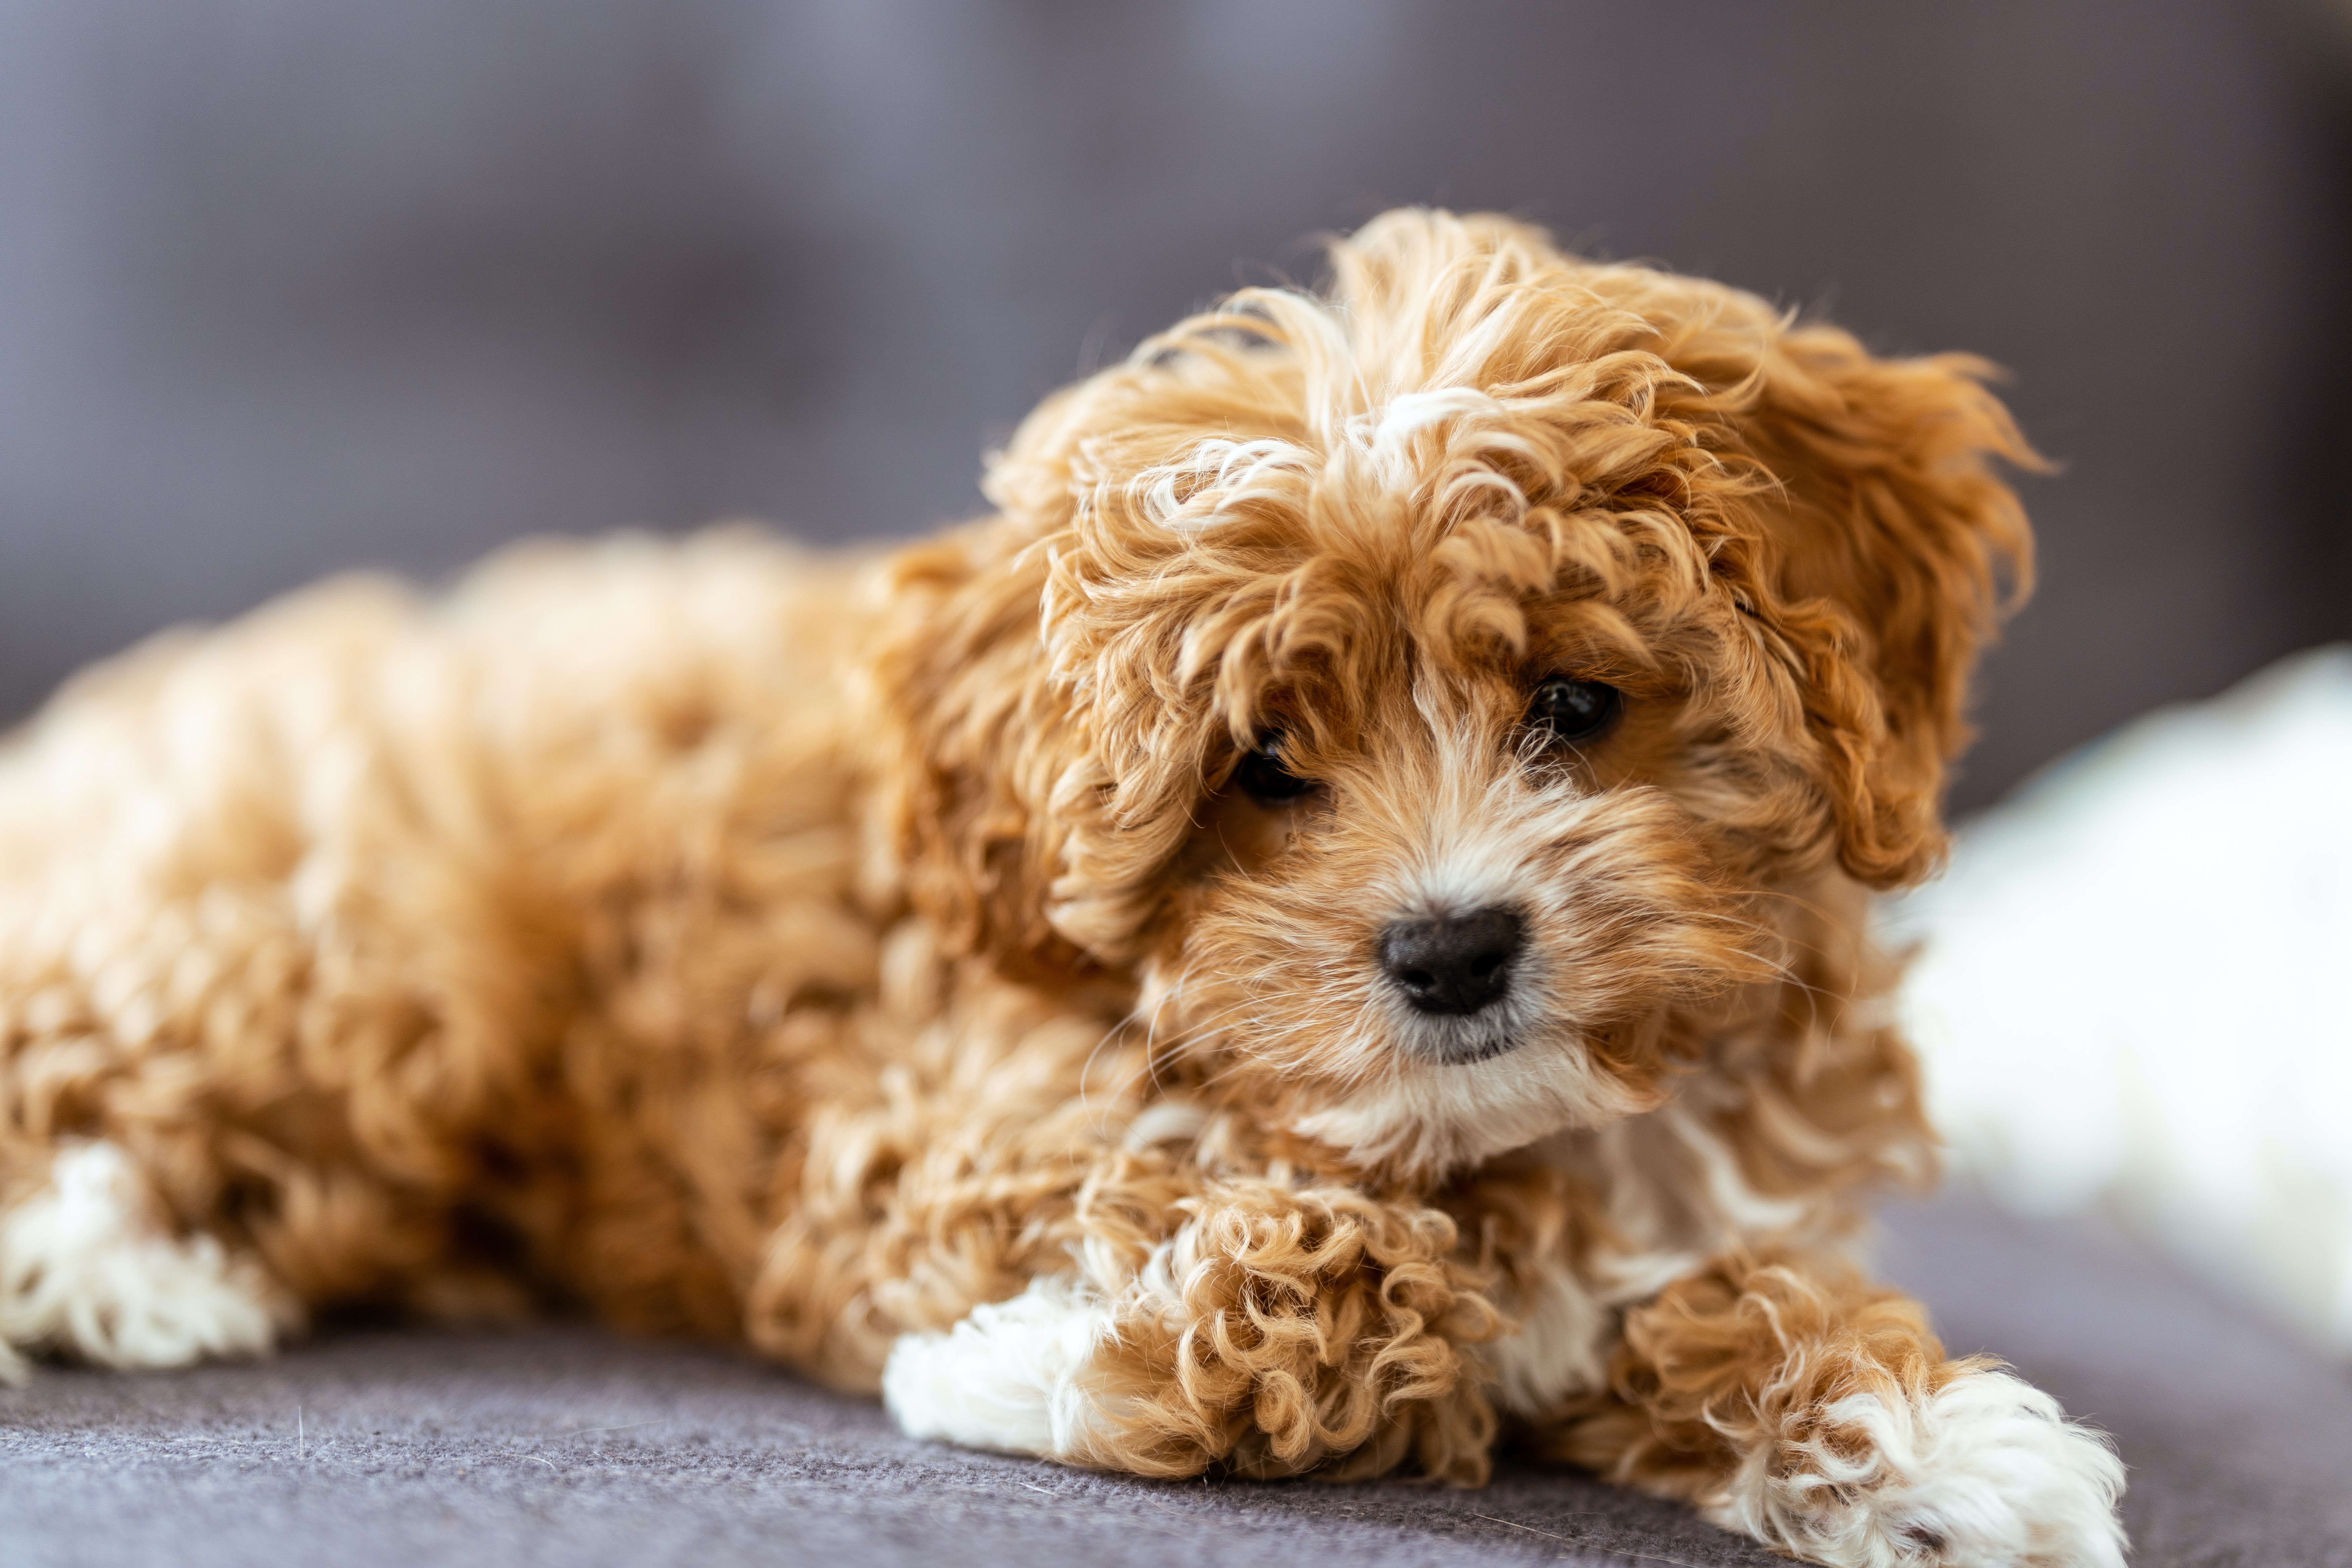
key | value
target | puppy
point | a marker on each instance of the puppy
(1330, 928)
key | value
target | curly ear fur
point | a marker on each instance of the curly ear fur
(1895, 536)
(983, 742)
(1012, 830)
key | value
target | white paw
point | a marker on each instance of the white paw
(1986, 1473)
(87, 1268)
(1006, 1377)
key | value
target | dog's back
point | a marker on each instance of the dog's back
(336, 916)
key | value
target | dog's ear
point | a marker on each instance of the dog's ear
(1002, 691)
(973, 735)
(1890, 546)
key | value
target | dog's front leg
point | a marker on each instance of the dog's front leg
(1271, 1327)
(1816, 1412)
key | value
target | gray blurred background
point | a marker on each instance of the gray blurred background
(287, 287)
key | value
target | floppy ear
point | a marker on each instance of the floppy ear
(1050, 702)
(1000, 686)
(974, 737)
(1892, 546)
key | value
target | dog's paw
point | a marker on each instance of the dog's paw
(1006, 1377)
(1985, 1473)
(87, 1268)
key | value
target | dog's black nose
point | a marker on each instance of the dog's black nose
(1455, 963)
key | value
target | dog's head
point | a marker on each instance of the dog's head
(1420, 690)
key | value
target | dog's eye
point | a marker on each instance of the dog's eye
(1574, 710)
(1265, 780)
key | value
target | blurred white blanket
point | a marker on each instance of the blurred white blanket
(2134, 992)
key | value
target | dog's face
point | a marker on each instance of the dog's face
(1424, 693)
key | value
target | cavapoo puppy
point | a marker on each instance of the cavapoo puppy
(1328, 932)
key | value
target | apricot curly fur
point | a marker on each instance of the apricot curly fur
(838, 952)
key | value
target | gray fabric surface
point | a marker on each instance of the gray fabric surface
(560, 1445)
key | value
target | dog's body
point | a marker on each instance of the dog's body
(1331, 926)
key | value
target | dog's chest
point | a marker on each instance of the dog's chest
(1666, 1196)
(1559, 1348)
